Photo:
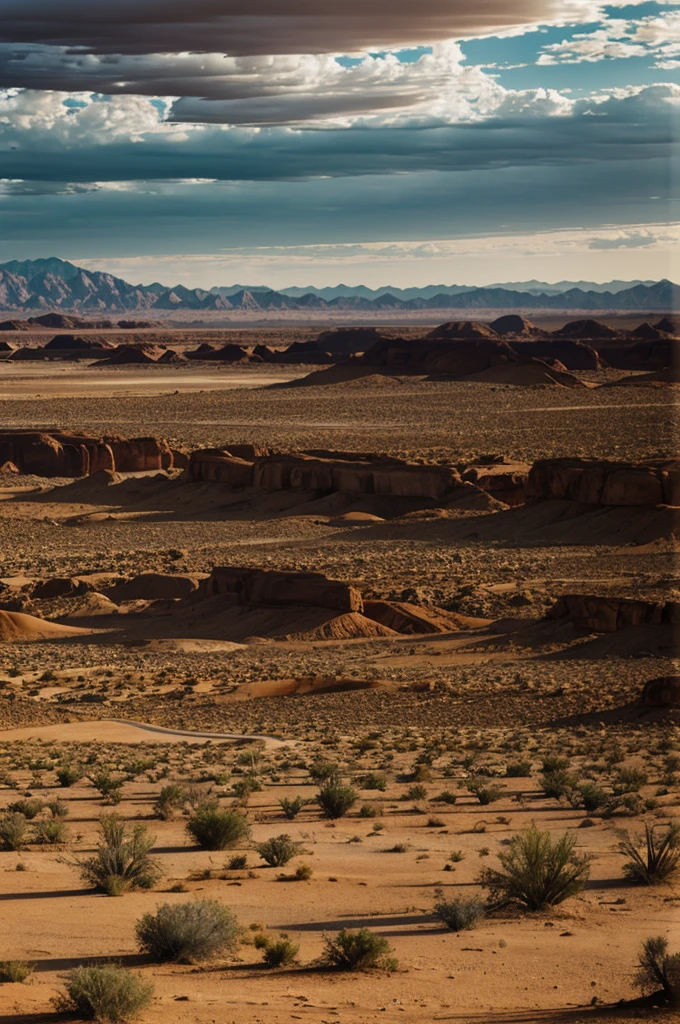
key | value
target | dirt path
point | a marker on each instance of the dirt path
(120, 730)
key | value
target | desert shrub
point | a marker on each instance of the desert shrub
(518, 770)
(169, 801)
(12, 831)
(324, 771)
(368, 811)
(456, 857)
(416, 792)
(373, 781)
(15, 971)
(110, 786)
(108, 993)
(445, 797)
(278, 850)
(336, 799)
(654, 857)
(216, 828)
(238, 863)
(556, 782)
(630, 780)
(659, 970)
(358, 951)
(435, 822)
(291, 808)
(485, 792)
(537, 872)
(590, 796)
(68, 774)
(57, 808)
(52, 832)
(122, 860)
(184, 932)
(244, 787)
(30, 807)
(277, 952)
(459, 913)
(554, 763)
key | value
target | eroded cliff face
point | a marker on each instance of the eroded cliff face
(67, 454)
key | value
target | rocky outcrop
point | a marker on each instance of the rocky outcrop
(262, 587)
(662, 692)
(640, 355)
(505, 482)
(605, 483)
(609, 615)
(213, 465)
(66, 454)
(587, 330)
(389, 477)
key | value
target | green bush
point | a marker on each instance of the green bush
(52, 832)
(445, 797)
(108, 993)
(169, 801)
(277, 952)
(291, 808)
(657, 970)
(122, 860)
(278, 850)
(373, 781)
(591, 796)
(556, 782)
(630, 780)
(459, 913)
(336, 799)
(30, 808)
(185, 932)
(537, 872)
(110, 786)
(518, 770)
(324, 771)
(358, 951)
(15, 971)
(215, 828)
(12, 831)
(485, 792)
(653, 857)
(68, 774)
(57, 808)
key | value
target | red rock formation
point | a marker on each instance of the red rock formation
(608, 614)
(261, 587)
(605, 483)
(505, 482)
(218, 466)
(66, 454)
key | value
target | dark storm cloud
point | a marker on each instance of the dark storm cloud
(260, 26)
(618, 130)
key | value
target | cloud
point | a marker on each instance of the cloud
(629, 240)
(246, 27)
(126, 139)
(655, 36)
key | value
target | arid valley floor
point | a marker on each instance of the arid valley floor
(466, 647)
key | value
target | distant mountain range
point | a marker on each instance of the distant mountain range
(54, 284)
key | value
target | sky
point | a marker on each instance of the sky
(299, 143)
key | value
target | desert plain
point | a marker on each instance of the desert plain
(231, 625)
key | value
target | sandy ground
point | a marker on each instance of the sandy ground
(19, 381)
(461, 705)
